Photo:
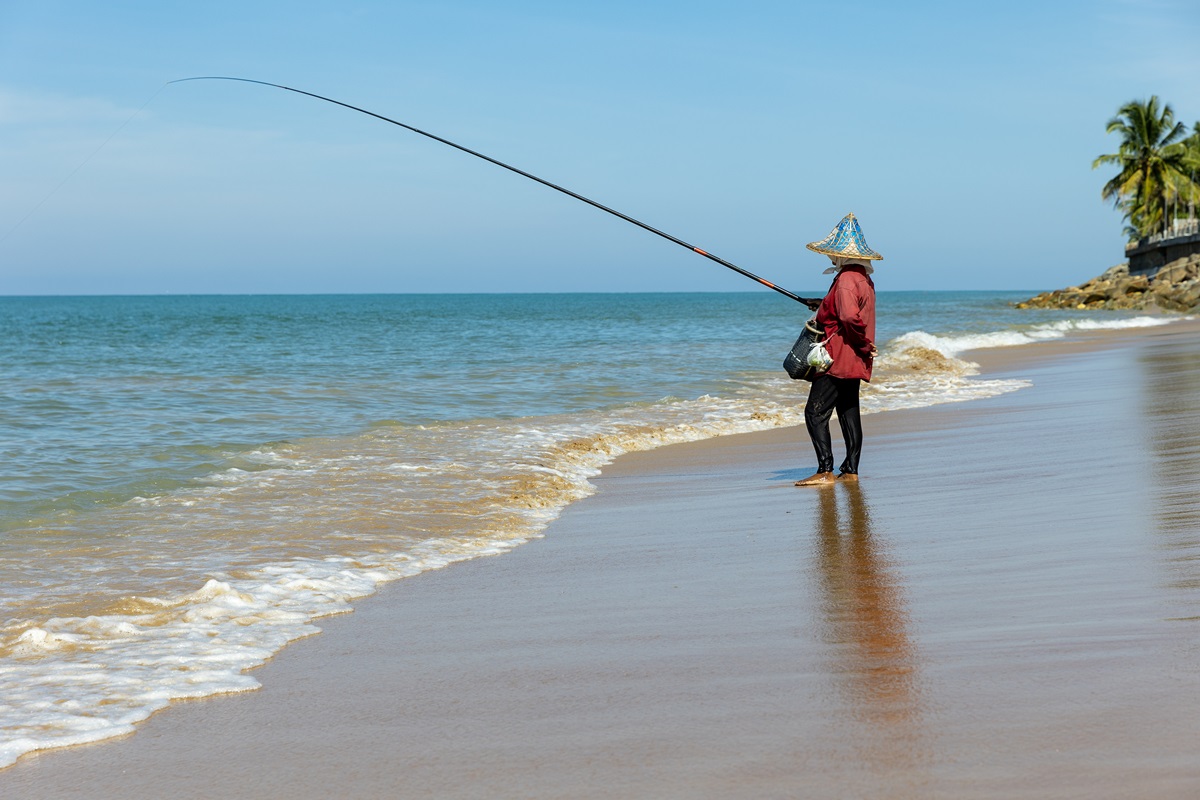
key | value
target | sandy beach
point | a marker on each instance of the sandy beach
(1007, 606)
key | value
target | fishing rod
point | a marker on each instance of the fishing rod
(509, 167)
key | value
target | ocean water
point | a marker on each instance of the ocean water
(188, 483)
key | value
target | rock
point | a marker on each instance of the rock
(1175, 287)
(1190, 296)
(1179, 271)
(1115, 273)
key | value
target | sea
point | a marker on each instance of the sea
(189, 483)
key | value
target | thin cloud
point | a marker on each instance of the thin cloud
(22, 108)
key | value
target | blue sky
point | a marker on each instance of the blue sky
(960, 134)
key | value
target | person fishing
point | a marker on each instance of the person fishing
(847, 318)
(844, 335)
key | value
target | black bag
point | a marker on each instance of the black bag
(797, 361)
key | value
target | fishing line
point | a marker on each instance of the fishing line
(523, 173)
(63, 182)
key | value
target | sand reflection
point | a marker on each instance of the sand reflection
(1171, 384)
(875, 659)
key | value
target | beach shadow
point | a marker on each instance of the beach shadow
(875, 660)
(789, 475)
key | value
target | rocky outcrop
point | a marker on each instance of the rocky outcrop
(1175, 287)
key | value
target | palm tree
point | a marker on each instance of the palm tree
(1152, 161)
(1191, 161)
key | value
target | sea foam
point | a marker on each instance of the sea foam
(955, 345)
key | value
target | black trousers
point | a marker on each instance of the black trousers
(827, 395)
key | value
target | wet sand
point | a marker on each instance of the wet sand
(1007, 606)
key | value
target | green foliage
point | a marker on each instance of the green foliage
(1158, 166)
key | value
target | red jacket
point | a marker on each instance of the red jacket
(847, 315)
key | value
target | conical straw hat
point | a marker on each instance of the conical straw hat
(846, 240)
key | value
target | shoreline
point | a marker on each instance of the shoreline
(505, 660)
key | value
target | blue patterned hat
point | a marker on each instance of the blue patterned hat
(846, 241)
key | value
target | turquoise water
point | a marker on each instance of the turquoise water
(188, 482)
(107, 398)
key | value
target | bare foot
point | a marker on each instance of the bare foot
(848, 476)
(820, 479)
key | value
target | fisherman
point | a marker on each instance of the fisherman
(847, 316)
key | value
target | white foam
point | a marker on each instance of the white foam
(77, 680)
(952, 346)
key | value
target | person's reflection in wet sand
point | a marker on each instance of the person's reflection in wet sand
(1172, 416)
(875, 660)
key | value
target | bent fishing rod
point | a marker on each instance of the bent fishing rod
(523, 173)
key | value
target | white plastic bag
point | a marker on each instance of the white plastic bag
(818, 357)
